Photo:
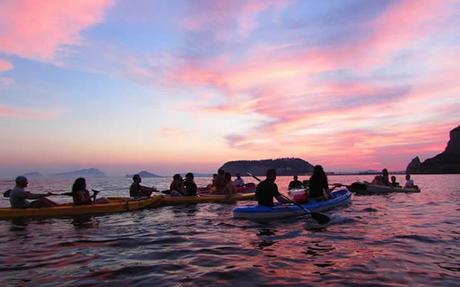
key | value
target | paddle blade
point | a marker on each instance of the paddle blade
(320, 218)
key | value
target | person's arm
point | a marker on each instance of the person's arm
(281, 199)
(30, 195)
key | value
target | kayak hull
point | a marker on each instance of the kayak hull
(115, 205)
(373, 189)
(217, 198)
(340, 197)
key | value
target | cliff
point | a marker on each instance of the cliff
(446, 162)
(283, 166)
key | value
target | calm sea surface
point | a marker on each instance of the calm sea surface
(390, 240)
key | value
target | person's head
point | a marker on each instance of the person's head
(384, 171)
(295, 177)
(79, 184)
(221, 171)
(21, 181)
(393, 178)
(137, 178)
(271, 174)
(238, 175)
(228, 176)
(407, 176)
(214, 176)
(189, 176)
(318, 171)
(177, 177)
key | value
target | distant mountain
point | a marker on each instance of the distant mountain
(447, 162)
(32, 174)
(144, 173)
(283, 166)
(89, 172)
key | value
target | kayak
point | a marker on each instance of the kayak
(115, 204)
(340, 197)
(371, 189)
(247, 188)
(216, 198)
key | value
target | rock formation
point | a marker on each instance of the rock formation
(283, 166)
(446, 162)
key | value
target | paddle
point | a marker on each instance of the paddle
(319, 217)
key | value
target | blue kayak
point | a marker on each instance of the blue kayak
(340, 197)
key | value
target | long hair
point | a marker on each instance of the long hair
(79, 184)
(319, 175)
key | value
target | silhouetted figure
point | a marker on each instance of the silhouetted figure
(138, 190)
(220, 181)
(409, 182)
(238, 182)
(177, 185)
(190, 186)
(18, 196)
(385, 177)
(267, 190)
(318, 184)
(393, 182)
(81, 195)
(295, 183)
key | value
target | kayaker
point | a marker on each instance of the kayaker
(18, 196)
(177, 186)
(393, 182)
(138, 190)
(295, 183)
(238, 182)
(190, 186)
(385, 177)
(230, 187)
(80, 194)
(220, 181)
(409, 182)
(267, 189)
(318, 184)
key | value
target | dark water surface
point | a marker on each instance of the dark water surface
(390, 240)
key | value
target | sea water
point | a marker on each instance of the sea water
(381, 240)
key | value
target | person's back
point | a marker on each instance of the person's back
(385, 177)
(318, 184)
(267, 189)
(80, 195)
(409, 182)
(190, 186)
(18, 198)
(135, 189)
(220, 181)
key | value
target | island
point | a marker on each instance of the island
(144, 173)
(32, 174)
(447, 162)
(283, 166)
(89, 172)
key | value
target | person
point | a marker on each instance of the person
(220, 181)
(410, 182)
(190, 186)
(80, 194)
(385, 177)
(393, 182)
(239, 182)
(230, 187)
(177, 185)
(295, 183)
(267, 190)
(138, 190)
(377, 180)
(18, 196)
(318, 184)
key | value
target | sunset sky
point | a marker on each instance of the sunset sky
(172, 86)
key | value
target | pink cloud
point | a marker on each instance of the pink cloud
(5, 66)
(37, 29)
(26, 113)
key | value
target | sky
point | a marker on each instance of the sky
(175, 86)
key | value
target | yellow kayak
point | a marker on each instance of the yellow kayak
(212, 198)
(115, 204)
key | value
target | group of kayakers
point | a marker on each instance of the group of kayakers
(384, 179)
(317, 187)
